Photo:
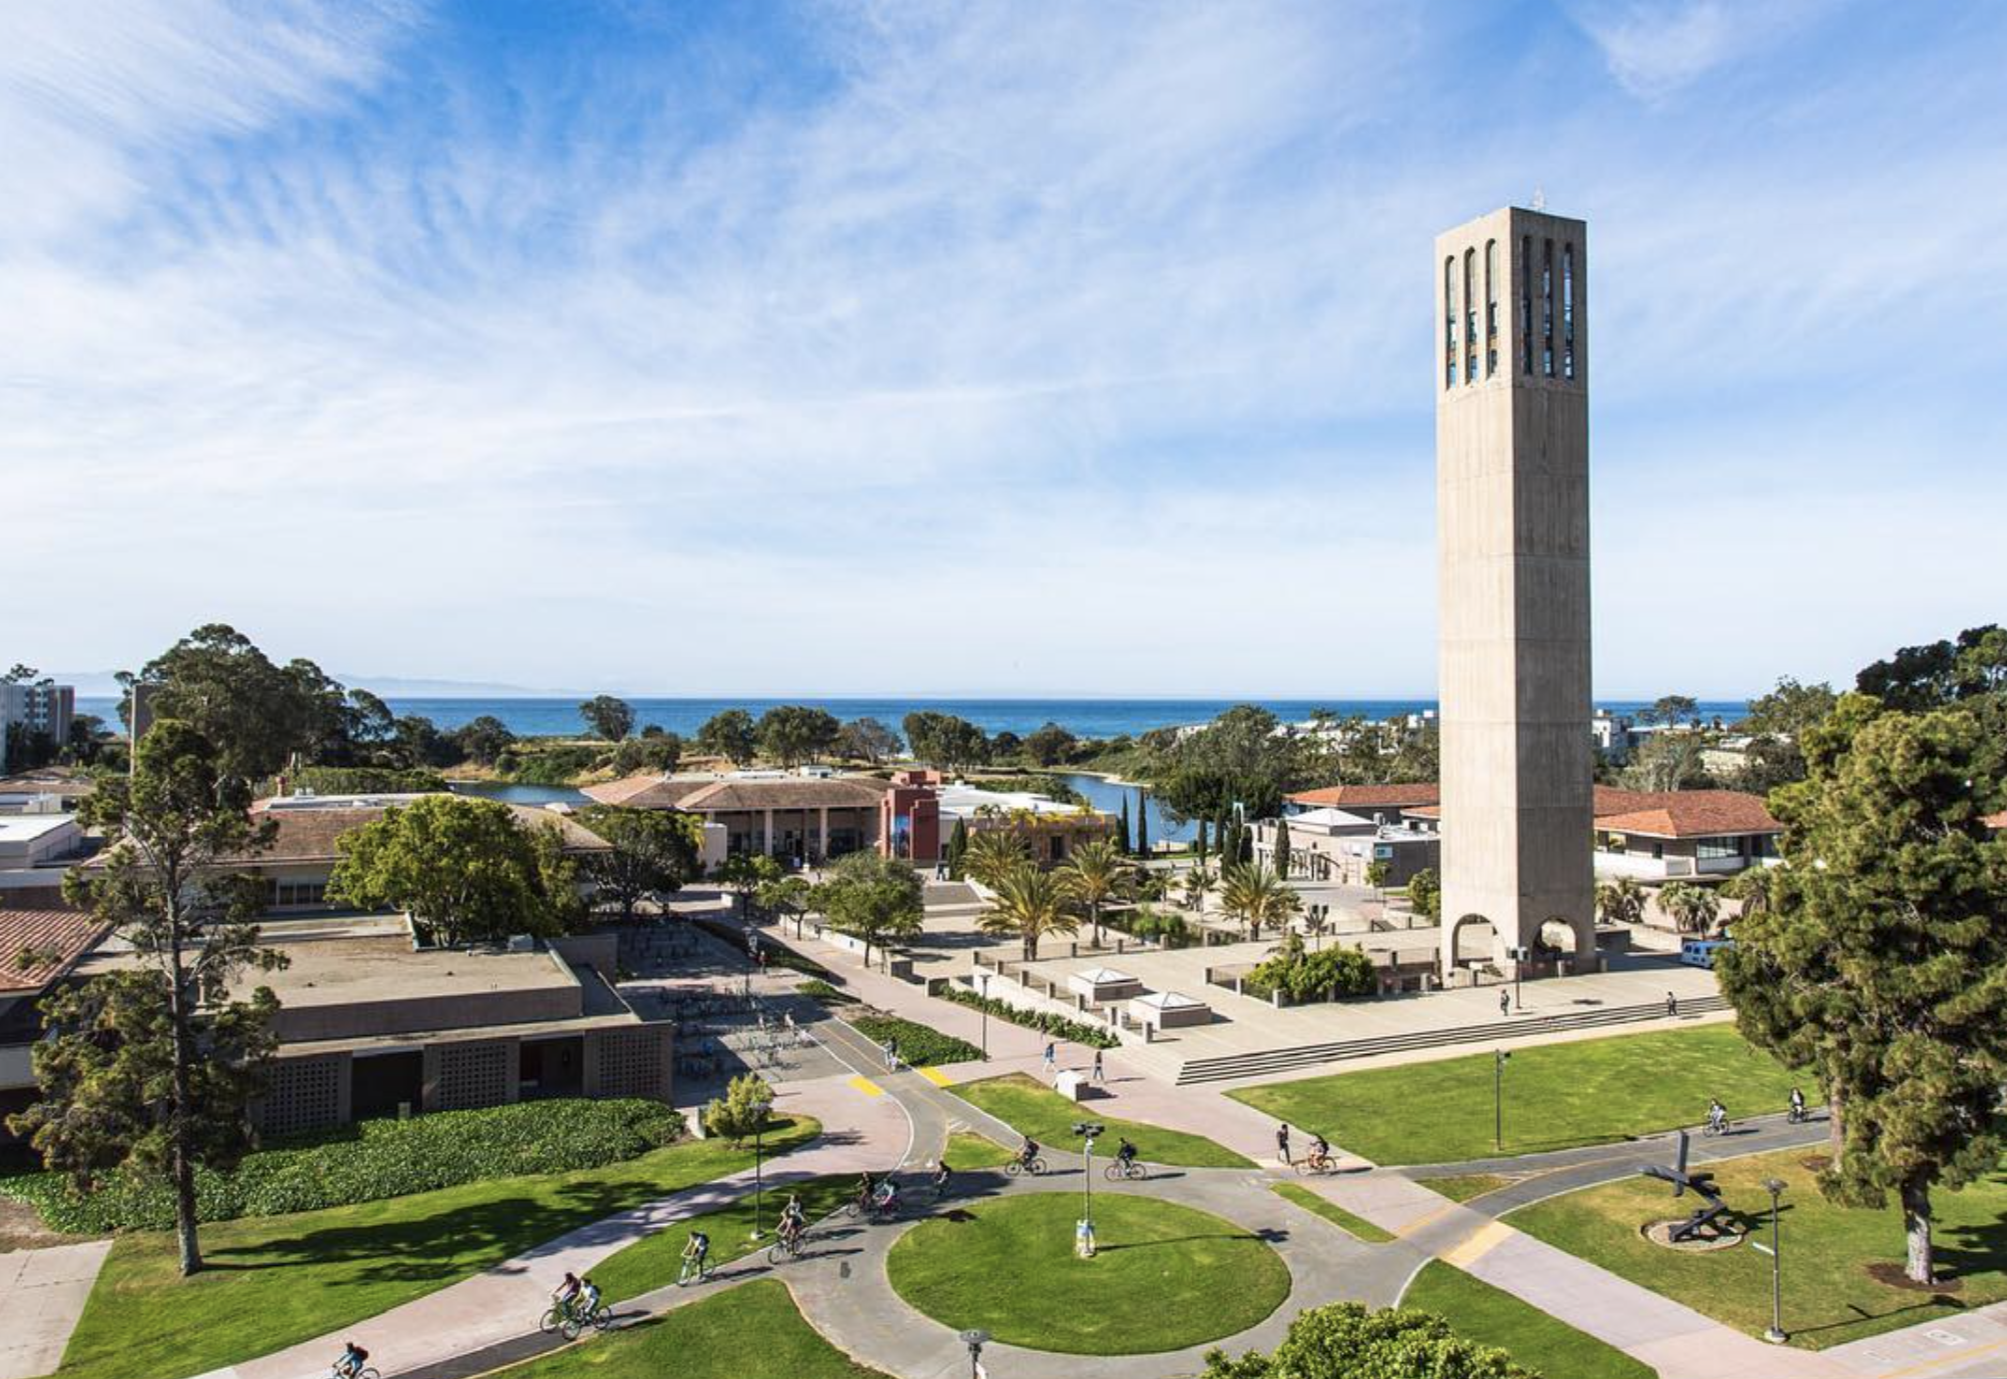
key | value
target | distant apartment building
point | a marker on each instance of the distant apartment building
(30, 713)
(1328, 844)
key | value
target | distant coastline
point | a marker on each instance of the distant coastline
(550, 716)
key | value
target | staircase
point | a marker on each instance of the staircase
(1227, 1066)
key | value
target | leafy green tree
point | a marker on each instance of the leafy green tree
(951, 743)
(1671, 760)
(1098, 873)
(1425, 894)
(1239, 757)
(743, 873)
(742, 1112)
(1693, 908)
(484, 739)
(1030, 904)
(1621, 901)
(21, 675)
(1199, 843)
(1254, 895)
(655, 851)
(220, 684)
(873, 899)
(866, 739)
(1918, 678)
(154, 1067)
(1302, 975)
(958, 849)
(1376, 874)
(1050, 745)
(728, 734)
(993, 852)
(654, 750)
(1670, 709)
(1282, 848)
(462, 867)
(607, 717)
(1880, 961)
(789, 897)
(1198, 884)
(416, 742)
(1345, 1341)
(790, 734)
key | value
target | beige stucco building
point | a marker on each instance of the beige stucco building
(1512, 495)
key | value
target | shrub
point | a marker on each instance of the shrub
(365, 780)
(549, 765)
(1307, 976)
(1058, 1026)
(920, 1046)
(366, 1162)
(822, 991)
(743, 1111)
(1169, 929)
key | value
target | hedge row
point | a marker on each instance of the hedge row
(919, 1045)
(366, 1162)
(1058, 1026)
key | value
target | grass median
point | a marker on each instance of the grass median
(1546, 1344)
(274, 1281)
(1556, 1096)
(1032, 1109)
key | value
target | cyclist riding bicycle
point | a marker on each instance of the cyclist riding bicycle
(887, 1196)
(942, 1174)
(566, 1293)
(695, 1252)
(866, 1189)
(1029, 1152)
(1320, 1150)
(792, 1214)
(1797, 1104)
(353, 1357)
(1125, 1153)
(1717, 1116)
(588, 1298)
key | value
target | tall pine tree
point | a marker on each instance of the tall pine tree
(1122, 828)
(1142, 824)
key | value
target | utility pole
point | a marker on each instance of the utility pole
(1499, 1058)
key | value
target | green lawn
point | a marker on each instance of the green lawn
(1032, 1109)
(1461, 1187)
(753, 1331)
(1556, 1096)
(274, 1281)
(1166, 1276)
(1483, 1313)
(1829, 1296)
(655, 1260)
(1349, 1222)
(967, 1152)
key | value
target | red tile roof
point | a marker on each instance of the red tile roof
(1371, 796)
(57, 938)
(736, 793)
(1682, 813)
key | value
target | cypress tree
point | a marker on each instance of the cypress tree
(958, 847)
(1200, 842)
(1122, 828)
(1282, 849)
(1142, 824)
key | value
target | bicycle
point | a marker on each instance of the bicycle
(572, 1324)
(694, 1271)
(876, 1206)
(1717, 1125)
(1033, 1166)
(366, 1372)
(1119, 1169)
(787, 1247)
(1316, 1164)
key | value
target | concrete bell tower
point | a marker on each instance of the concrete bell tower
(1512, 515)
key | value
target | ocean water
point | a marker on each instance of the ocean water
(1100, 718)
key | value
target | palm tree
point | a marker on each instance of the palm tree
(1030, 903)
(992, 853)
(1098, 873)
(1691, 907)
(1752, 888)
(1621, 901)
(1252, 893)
(1198, 885)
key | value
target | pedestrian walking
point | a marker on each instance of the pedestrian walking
(1282, 1143)
(1051, 1059)
(891, 1050)
(1672, 1006)
(1505, 1003)
(1099, 1076)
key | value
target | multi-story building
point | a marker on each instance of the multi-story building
(29, 712)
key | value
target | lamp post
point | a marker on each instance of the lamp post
(1519, 956)
(1498, 1062)
(974, 1340)
(984, 978)
(1087, 1130)
(1775, 1335)
(759, 1177)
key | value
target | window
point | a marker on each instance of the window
(1526, 302)
(1490, 307)
(1449, 323)
(1718, 847)
(1568, 311)
(1547, 309)
(1469, 316)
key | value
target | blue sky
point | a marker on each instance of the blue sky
(1007, 349)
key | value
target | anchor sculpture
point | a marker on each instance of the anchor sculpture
(1702, 1184)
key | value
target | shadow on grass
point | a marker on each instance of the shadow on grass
(1261, 1237)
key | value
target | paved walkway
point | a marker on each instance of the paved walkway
(864, 1130)
(45, 1292)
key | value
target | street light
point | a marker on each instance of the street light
(1498, 1062)
(1519, 957)
(1087, 1130)
(984, 978)
(974, 1340)
(1775, 1335)
(760, 1108)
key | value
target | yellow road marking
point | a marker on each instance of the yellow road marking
(1951, 1357)
(1488, 1238)
(937, 1077)
(867, 1086)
